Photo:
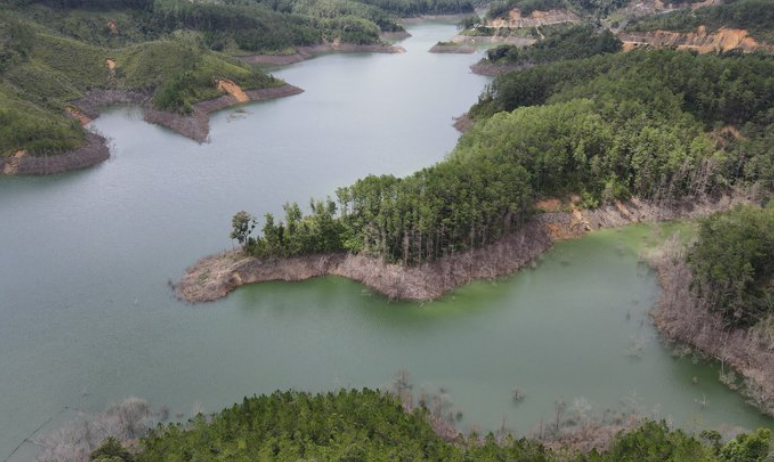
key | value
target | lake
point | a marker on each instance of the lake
(87, 317)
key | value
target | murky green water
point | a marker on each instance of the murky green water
(86, 317)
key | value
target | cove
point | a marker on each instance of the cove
(87, 318)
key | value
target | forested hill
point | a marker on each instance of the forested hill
(664, 126)
(754, 16)
(55, 51)
(353, 426)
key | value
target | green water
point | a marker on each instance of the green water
(87, 318)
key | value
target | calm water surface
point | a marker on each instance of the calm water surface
(87, 318)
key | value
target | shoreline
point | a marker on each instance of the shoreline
(309, 52)
(195, 126)
(453, 48)
(483, 67)
(456, 17)
(94, 152)
(681, 318)
(214, 277)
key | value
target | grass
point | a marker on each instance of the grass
(35, 91)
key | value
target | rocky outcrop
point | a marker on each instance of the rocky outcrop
(650, 7)
(722, 40)
(216, 276)
(516, 20)
(493, 39)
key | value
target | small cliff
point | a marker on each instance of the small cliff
(214, 277)
(722, 40)
(516, 20)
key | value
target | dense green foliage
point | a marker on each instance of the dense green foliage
(455, 205)
(604, 149)
(606, 128)
(16, 43)
(756, 16)
(726, 90)
(372, 426)
(572, 43)
(733, 264)
(41, 71)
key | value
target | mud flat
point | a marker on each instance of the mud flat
(214, 277)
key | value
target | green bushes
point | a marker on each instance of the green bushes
(756, 16)
(733, 264)
(290, 426)
(606, 128)
(573, 43)
(369, 425)
(16, 42)
(23, 126)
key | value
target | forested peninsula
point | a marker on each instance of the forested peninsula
(62, 60)
(554, 150)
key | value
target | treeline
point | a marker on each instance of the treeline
(368, 425)
(714, 89)
(755, 16)
(408, 8)
(453, 206)
(571, 43)
(732, 263)
(236, 26)
(40, 73)
(646, 124)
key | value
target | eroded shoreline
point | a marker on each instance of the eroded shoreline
(195, 126)
(214, 277)
(308, 52)
(682, 318)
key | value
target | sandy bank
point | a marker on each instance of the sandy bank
(304, 53)
(216, 276)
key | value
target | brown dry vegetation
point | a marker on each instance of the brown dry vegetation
(684, 318)
(214, 277)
